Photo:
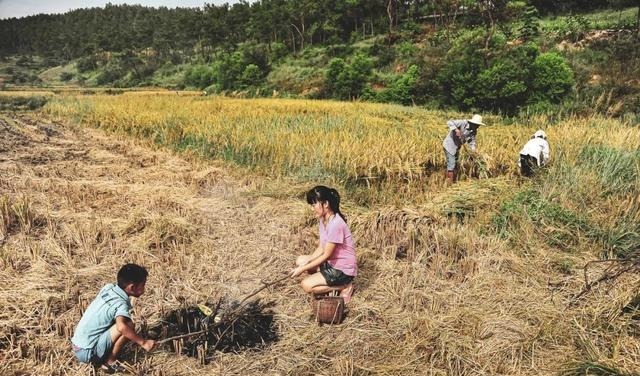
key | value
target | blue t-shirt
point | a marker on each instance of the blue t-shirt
(101, 314)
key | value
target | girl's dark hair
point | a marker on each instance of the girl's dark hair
(131, 273)
(322, 194)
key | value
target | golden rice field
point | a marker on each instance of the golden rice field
(485, 277)
(348, 141)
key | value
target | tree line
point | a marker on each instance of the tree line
(294, 23)
(487, 55)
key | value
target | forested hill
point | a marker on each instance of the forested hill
(493, 55)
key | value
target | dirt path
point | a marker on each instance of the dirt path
(91, 202)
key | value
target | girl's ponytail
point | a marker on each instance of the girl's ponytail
(336, 203)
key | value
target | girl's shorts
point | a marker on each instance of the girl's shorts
(333, 276)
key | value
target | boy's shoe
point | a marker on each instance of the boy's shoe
(346, 293)
(115, 367)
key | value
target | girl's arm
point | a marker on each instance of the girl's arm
(317, 252)
(318, 257)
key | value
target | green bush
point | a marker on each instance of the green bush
(552, 78)
(278, 51)
(402, 90)
(227, 70)
(66, 76)
(252, 76)
(501, 87)
(109, 74)
(530, 28)
(348, 81)
(22, 103)
(199, 76)
(86, 64)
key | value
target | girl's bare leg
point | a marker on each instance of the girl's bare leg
(316, 284)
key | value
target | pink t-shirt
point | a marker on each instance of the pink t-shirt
(343, 257)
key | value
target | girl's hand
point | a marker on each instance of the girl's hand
(296, 271)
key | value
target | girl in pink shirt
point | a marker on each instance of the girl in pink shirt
(333, 264)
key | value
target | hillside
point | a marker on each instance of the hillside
(509, 57)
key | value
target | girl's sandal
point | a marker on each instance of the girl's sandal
(346, 293)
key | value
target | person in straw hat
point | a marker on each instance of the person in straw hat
(534, 154)
(460, 132)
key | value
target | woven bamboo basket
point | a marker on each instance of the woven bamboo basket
(328, 309)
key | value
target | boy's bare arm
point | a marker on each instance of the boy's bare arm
(125, 327)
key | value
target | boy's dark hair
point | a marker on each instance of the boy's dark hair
(131, 273)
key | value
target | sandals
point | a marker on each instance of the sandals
(115, 367)
(346, 293)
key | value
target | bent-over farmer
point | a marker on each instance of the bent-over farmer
(460, 132)
(534, 154)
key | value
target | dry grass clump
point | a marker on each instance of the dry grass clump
(17, 215)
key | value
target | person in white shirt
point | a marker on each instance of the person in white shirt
(534, 154)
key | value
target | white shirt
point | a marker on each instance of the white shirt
(538, 148)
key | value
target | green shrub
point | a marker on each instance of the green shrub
(347, 81)
(22, 102)
(552, 78)
(501, 87)
(199, 76)
(109, 74)
(278, 51)
(334, 69)
(227, 70)
(402, 90)
(617, 169)
(66, 76)
(86, 64)
(252, 76)
(530, 28)
(576, 27)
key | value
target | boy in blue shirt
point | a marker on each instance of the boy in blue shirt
(106, 326)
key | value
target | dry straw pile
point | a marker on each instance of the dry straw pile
(476, 279)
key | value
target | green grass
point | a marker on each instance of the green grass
(618, 170)
(22, 102)
(590, 368)
(559, 227)
(602, 19)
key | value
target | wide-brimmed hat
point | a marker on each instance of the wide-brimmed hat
(476, 119)
(540, 133)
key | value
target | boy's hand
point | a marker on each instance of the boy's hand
(148, 344)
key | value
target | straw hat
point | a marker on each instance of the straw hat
(476, 119)
(540, 133)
